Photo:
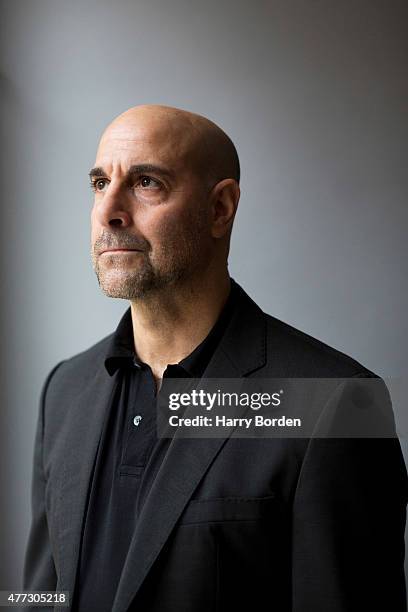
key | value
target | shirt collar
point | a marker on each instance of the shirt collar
(121, 352)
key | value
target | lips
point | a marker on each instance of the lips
(118, 250)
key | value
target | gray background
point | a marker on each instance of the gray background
(313, 93)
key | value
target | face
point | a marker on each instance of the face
(150, 222)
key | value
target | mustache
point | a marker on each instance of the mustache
(120, 241)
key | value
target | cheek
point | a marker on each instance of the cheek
(166, 226)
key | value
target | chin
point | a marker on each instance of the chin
(125, 288)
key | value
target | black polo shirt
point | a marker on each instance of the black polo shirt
(129, 441)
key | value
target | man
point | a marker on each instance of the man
(126, 520)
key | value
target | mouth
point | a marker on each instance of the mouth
(120, 251)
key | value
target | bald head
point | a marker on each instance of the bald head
(197, 141)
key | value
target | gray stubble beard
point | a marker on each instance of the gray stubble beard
(145, 281)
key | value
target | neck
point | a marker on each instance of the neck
(169, 325)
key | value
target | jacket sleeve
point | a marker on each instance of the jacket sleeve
(349, 512)
(39, 569)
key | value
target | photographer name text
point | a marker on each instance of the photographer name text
(223, 421)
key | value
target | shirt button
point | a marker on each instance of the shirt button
(137, 420)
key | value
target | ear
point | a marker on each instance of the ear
(224, 203)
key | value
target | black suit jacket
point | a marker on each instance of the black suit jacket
(299, 525)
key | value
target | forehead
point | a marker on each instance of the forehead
(146, 142)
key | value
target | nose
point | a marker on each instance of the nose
(113, 208)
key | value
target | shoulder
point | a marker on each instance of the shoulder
(78, 370)
(288, 351)
(300, 354)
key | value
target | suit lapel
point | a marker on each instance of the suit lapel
(80, 446)
(241, 351)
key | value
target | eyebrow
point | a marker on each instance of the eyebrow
(135, 169)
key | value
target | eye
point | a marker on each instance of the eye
(149, 183)
(99, 184)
